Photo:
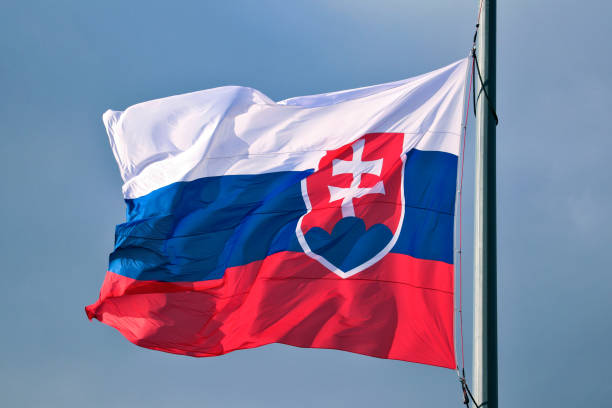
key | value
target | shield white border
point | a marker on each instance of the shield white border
(368, 263)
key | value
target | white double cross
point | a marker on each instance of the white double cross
(356, 167)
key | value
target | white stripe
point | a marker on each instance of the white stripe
(238, 130)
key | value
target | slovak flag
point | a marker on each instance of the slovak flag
(321, 221)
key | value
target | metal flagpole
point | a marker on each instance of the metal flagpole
(485, 232)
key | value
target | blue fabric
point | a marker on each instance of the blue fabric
(193, 231)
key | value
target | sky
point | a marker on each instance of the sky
(63, 63)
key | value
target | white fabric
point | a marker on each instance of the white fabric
(238, 130)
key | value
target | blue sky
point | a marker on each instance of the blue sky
(65, 62)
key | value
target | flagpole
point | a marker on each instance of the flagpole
(485, 231)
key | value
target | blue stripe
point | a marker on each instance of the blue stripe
(193, 231)
(430, 181)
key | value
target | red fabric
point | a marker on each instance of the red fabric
(400, 308)
(373, 209)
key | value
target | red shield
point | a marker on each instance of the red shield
(355, 204)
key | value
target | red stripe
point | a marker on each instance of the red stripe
(400, 308)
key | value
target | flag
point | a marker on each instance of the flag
(321, 221)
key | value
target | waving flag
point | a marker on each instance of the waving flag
(320, 221)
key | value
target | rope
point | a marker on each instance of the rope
(467, 395)
(483, 89)
(464, 387)
(460, 251)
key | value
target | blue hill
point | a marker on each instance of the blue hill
(349, 244)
